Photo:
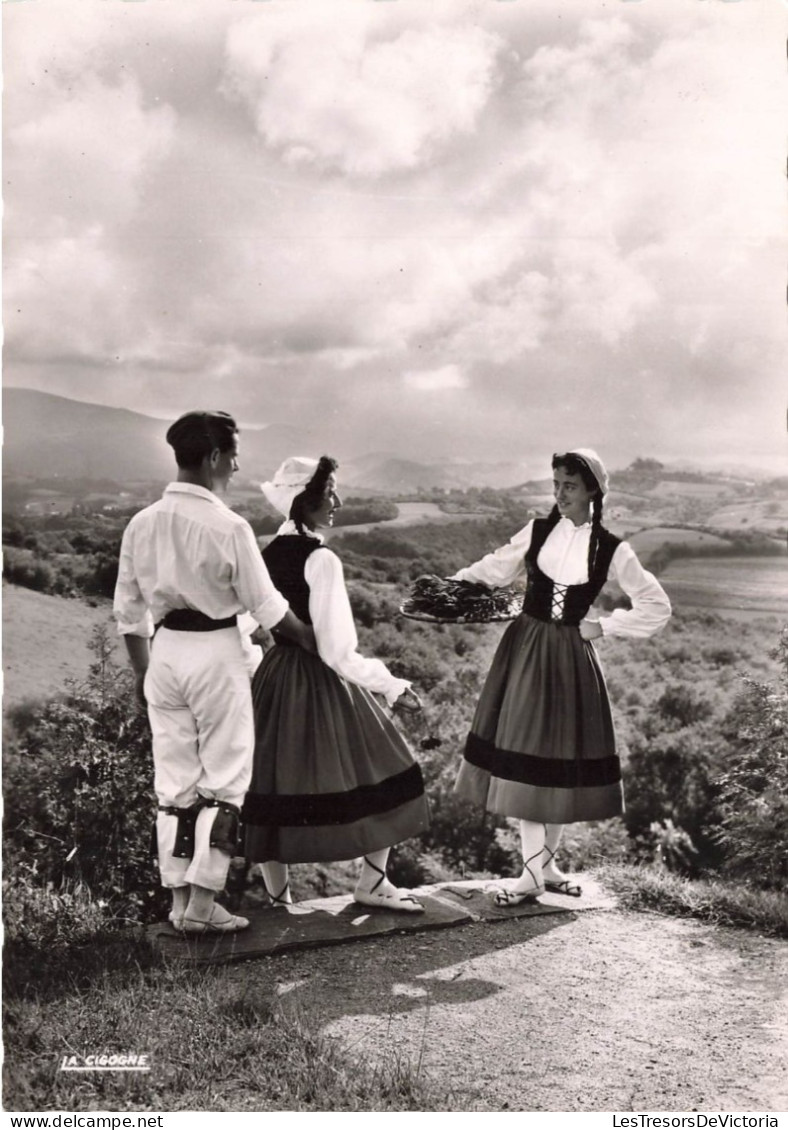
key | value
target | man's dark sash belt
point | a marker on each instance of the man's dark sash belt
(224, 833)
(190, 620)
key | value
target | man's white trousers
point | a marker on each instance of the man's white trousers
(200, 710)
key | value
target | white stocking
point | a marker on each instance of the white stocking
(276, 883)
(552, 839)
(373, 872)
(532, 839)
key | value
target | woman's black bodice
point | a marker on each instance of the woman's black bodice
(285, 558)
(546, 599)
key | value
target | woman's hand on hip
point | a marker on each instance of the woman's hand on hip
(590, 629)
(307, 639)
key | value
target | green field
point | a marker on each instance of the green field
(735, 584)
(645, 542)
(770, 515)
(672, 487)
(410, 514)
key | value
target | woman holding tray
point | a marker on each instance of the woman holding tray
(333, 779)
(542, 747)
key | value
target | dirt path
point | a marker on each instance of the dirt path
(599, 1011)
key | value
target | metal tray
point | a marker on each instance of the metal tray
(495, 618)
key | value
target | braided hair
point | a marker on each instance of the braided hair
(574, 465)
(313, 493)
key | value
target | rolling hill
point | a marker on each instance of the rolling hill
(51, 436)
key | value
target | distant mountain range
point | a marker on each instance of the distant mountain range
(53, 437)
(49, 436)
(383, 472)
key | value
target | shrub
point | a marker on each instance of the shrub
(753, 802)
(411, 866)
(673, 848)
(678, 706)
(79, 796)
(593, 843)
(670, 777)
(463, 836)
(23, 567)
(371, 606)
(41, 918)
(104, 575)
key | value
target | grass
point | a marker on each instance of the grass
(723, 903)
(647, 541)
(213, 1044)
(217, 1042)
(756, 583)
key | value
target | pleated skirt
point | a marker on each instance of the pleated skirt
(542, 745)
(333, 779)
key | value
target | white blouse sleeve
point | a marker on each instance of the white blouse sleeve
(503, 566)
(650, 605)
(335, 631)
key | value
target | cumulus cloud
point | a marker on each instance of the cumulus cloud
(337, 95)
(329, 210)
(80, 173)
(435, 380)
(77, 322)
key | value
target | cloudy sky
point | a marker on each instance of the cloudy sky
(476, 228)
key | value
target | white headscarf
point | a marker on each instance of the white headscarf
(594, 464)
(289, 481)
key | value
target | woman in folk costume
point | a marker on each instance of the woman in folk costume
(542, 747)
(333, 778)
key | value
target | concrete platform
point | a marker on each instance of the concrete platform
(335, 921)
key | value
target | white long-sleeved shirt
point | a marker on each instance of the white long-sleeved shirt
(334, 627)
(190, 550)
(564, 558)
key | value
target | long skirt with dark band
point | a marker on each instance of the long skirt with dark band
(333, 779)
(542, 745)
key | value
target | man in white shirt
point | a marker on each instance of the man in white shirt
(188, 566)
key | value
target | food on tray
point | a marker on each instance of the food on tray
(439, 598)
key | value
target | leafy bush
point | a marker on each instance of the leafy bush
(753, 802)
(40, 918)
(669, 776)
(79, 793)
(24, 567)
(673, 848)
(462, 838)
(590, 844)
(410, 866)
(679, 706)
(62, 571)
(370, 606)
